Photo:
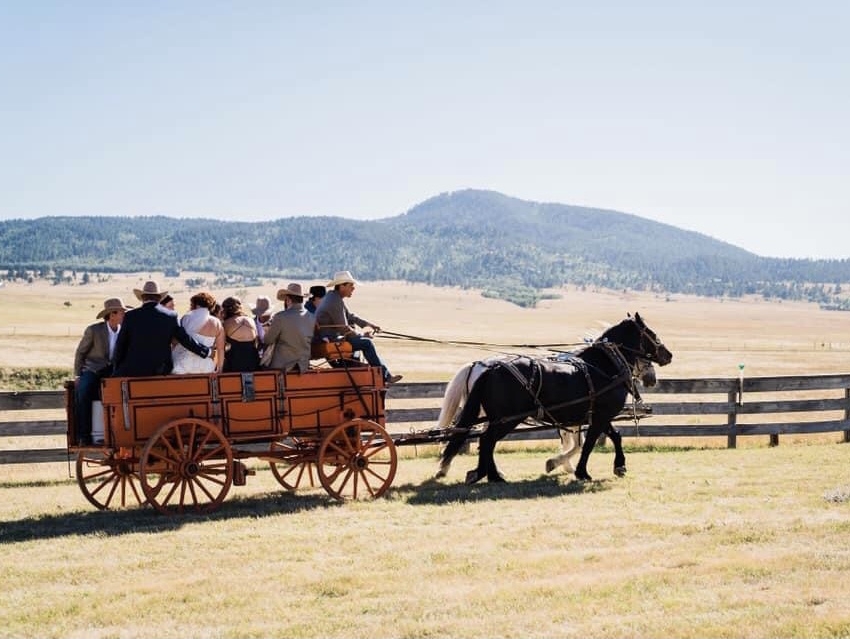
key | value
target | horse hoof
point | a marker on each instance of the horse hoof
(550, 465)
(440, 474)
(620, 471)
(472, 476)
(496, 478)
(583, 477)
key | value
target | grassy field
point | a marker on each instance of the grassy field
(697, 541)
(692, 543)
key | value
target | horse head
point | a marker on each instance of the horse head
(638, 343)
(650, 347)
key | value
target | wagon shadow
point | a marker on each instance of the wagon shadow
(114, 523)
(434, 492)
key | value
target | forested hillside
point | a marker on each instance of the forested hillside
(469, 238)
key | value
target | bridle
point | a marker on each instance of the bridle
(641, 353)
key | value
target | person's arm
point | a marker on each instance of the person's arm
(219, 348)
(359, 321)
(82, 350)
(272, 333)
(186, 340)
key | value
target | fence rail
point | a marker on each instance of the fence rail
(713, 407)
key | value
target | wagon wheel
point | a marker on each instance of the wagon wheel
(298, 465)
(357, 460)
(187, 465)
(109, 481)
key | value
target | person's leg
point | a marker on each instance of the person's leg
(367, 347)
(86, 391)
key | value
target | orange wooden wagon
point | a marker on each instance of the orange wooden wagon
(177, 442)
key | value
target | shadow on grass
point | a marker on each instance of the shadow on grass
(436, 492)
(112, 523)
(116, 522)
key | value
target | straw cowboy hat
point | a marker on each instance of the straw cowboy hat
(262, 305)
(150, 288)
(112, 304)
(342, 277)
(291, 289)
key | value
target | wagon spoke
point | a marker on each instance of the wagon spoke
(347, 455)
(192, 455)
(100, 475)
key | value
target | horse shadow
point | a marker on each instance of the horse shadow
(434, 492)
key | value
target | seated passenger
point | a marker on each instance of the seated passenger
(290, 332)
(207, 329)
(241, 352)
(93, 362)
(317, 293)
(144, 342)
(334, 320)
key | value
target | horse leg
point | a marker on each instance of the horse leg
(486, 451)
(452, 447)
(570, 443)
(619, 455)
(593, 432)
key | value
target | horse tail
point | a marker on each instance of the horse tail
(467, 418)
(456, 393)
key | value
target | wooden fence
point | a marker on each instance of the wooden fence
(715, 407)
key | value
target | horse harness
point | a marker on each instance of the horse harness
(533, 384)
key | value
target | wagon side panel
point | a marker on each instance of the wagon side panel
(135, 407)
(323, 398)
(251, 404)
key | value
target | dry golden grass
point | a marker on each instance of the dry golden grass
(702, 543)
(695, 543)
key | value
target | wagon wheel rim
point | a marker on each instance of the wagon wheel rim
(108, 481)
(357, 460)
(297, 468)
(186, 466)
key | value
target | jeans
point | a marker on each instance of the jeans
(86, 391)
(367, 347)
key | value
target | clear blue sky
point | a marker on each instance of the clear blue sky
(728, 118)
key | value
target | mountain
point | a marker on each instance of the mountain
(469, 238)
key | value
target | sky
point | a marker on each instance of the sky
(730, 118)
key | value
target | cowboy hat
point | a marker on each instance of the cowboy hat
(150, 288)
(342, 277)
(262, 305)
(291, 289)
(112, 304)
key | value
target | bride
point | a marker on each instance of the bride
(204, 328)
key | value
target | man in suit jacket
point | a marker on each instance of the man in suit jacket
(144, 343)
(92, 362)
(291, 332)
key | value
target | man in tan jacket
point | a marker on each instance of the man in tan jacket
(92, 362)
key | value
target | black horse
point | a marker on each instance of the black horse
(589, 388)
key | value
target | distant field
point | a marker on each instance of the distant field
(41, 324)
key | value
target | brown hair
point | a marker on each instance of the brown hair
(202, 300)
(232, 307)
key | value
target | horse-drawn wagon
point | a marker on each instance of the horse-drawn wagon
(177, 442)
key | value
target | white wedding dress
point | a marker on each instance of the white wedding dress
(185, 361)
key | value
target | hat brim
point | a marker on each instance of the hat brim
(106, 311)
(334, 283)
(139, 293)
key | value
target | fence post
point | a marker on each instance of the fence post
(847, 413)
(732, 420)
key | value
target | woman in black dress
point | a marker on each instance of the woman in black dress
(241, 353)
